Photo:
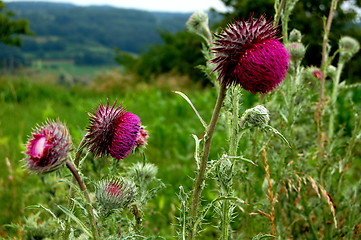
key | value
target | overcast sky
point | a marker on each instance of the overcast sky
(150, 5)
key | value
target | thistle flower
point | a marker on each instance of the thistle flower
(115, 193)
(248, 53)
(48, 148)
(112, 131)
(257, 116)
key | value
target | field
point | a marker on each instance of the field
(27, 101)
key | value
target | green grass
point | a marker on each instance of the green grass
(67, 68)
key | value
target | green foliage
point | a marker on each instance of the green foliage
(10, 28)
(88, 35)
(179, 53)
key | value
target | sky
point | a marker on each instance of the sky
(149, 5)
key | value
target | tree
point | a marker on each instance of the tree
(10, 28)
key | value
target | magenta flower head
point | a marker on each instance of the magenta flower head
(248, 53)
(48, 148)
(115, 193)
(112, 131)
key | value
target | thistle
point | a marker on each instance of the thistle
(257, 116)
(48, 148)
(248, 53)
(115, 193)
(112, 131)
(297, 51)
(198, 23)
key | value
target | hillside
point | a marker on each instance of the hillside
(88, 35)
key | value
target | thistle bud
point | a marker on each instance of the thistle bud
(297, 51)
(295, 36)
(142, 139)
(143, 172)
(257, 116)
(348, 47)
(115, 193)
(198, 23)
(48, 148)
(331, 71)
(317, 74)
(225, 172)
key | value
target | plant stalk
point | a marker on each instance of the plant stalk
(334, 96)
(86, 194)
(321, 103)
(198, 185)
(270, 196)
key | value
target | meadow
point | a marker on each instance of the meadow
(27, 101)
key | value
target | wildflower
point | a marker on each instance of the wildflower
(112, 131)
(348, 47)
(115, 193)
(248, 53)
(257, 116)
(48, 148)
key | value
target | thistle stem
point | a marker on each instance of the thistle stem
(198, 185)
(271, 197)
(321, 102)
(334, 96)
(89, 208)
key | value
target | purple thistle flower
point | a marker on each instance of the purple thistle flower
(248, 53)
(48, 148)
(112, 131)
(115, 193)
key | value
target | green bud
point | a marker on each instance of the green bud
(348, 47)
(297, 50)
(295, 36)
(257, 116)
(198, 23)
(114, 193)
(143, 172)
(331, 71)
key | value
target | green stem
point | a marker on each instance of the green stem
(86, 194)
(71, 204)
(336, 82)
(225, 221)
(198, 185)
(233, 137)
(321, 103)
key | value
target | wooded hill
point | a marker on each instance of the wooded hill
(88, 35)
